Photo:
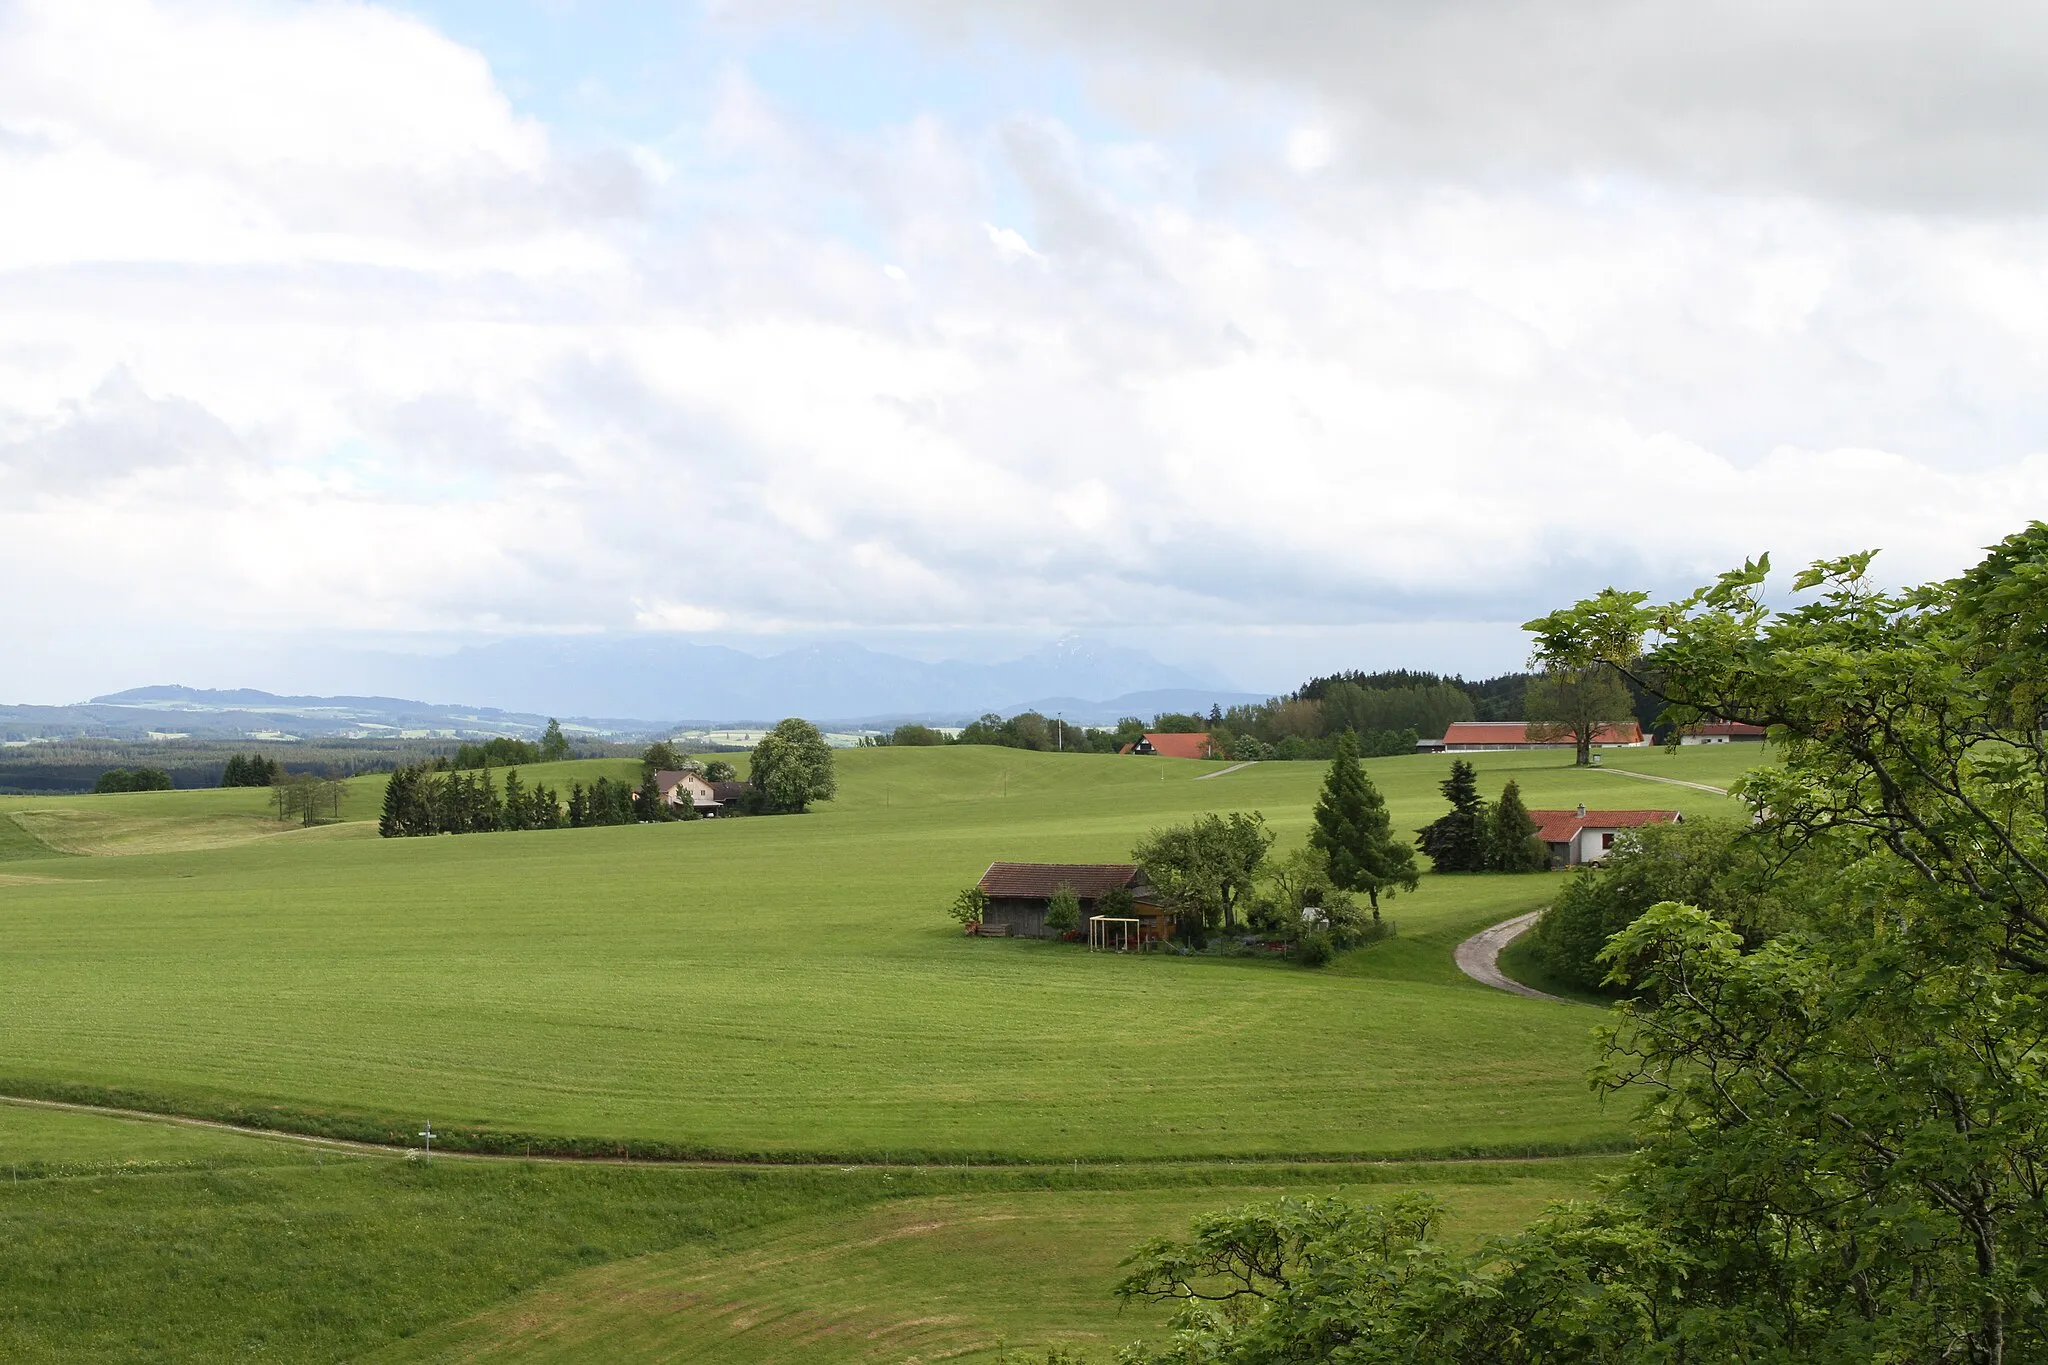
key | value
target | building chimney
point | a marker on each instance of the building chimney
(1582, 810)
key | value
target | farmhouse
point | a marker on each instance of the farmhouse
(1019, 894)
(1469, 735)
(1172, 746)
(710, 798)
(1585, 836)
(1722, 732)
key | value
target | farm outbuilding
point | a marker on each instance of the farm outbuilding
(1194, 745)
(1465, 736)
(1019, 894)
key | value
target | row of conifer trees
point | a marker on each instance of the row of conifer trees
(421, 801)
(250, 770)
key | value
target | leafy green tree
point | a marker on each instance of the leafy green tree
(1845, 1112)
(1063, 912)
(1576, 704)
(1355, 837)
(969, 907)
(912, 736)
(1457, 840)
(664, 756)
(308, 798)
(792, 767)
(718, 770)
(554, 745)
(1511, 842)
(139, 780)
(1206, 868)
(1301, 1281)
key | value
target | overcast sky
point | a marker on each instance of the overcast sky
(1270, 337)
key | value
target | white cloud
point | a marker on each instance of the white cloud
(487, 386)
(1309, 150)
(1010, 242)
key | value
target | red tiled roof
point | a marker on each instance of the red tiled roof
(1517, 732)
(1040, 880)
(1731, 728)
(1558, 826)
(1179, 746)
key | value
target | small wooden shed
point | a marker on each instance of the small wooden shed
(1020, 893)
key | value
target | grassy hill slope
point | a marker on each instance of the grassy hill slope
(787, 986)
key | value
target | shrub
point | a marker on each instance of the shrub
(1063, 916)
(969, 906)
(1316, 950)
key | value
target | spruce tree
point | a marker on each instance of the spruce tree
(1512, 845)
(1457, 841)
(1353, 834)
(517, 815)
(391, 823)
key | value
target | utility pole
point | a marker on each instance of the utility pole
(428, 1133)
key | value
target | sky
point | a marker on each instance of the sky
(1272, 338)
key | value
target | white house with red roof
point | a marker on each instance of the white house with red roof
(1582, 836)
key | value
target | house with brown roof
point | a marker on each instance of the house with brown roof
(1020, 893)
(1469, 735)
(1575, 837)
(1173, 746)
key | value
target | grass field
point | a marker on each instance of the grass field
(785, 985)
(788, 987)
(140, 1241)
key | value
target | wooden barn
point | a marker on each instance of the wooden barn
(1019, 894)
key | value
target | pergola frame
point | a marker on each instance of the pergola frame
(1099, 934)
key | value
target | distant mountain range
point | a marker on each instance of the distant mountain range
(675, 681)
(645, 685)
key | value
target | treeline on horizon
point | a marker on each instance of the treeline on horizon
(74, 767)
(1388, 711)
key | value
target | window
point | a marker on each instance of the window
(1606, 842)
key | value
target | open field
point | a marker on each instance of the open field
(141, 1241)
(1717, 765)
(970, 1276)
(788, 985)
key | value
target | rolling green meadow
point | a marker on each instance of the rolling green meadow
(785, 991)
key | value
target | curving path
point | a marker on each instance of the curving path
(1479, 957)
